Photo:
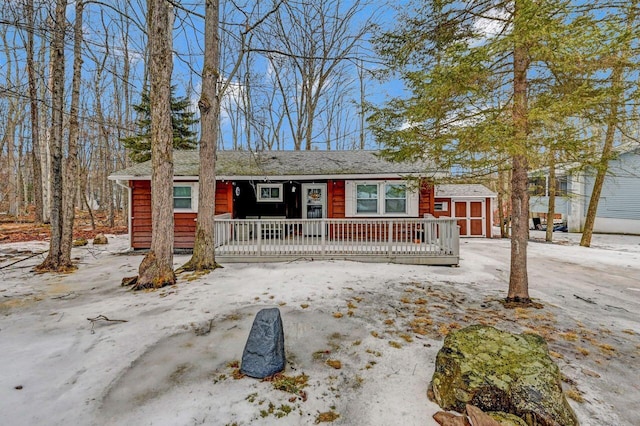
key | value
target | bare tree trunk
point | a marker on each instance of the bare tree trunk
(156, 269)
(362, 104)
(9, 137)
(35, 125)
(54, 257)
(106, 187)
(86, 203)
(21, 195)
(518, 279)
(71, 172)
(551, 208)
(46, 151)
(11, 166)
(203, 258)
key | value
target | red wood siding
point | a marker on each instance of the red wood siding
(140, 214)
(184, 223)
(426, 199)
(224, 197)
(336, 199)
(376, 231)
(184, 230)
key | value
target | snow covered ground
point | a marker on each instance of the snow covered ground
(173, 361)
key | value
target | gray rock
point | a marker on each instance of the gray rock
(263, 354)
(499, 371)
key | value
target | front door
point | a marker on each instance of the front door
(314, 205)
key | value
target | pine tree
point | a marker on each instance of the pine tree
(182, 121)
(484, 83)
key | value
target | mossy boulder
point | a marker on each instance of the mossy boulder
(506, 419)
(79, 242)
(100, 239)
(499, 371)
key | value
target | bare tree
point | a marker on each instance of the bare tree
(14, 117)
(53, 261)
(204, 246)
(33, 109)
(71, 170)
(156, 269)
(308, 46)
(203, 258)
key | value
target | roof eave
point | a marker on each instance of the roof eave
(295, 177)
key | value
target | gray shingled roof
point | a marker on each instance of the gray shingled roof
(285, 163)
(463, 190)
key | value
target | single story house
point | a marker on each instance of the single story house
(471, 204)
(281, 203)
(619, 204)
(283, 184)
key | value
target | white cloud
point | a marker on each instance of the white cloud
(491, 24)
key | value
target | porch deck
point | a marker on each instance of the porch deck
(409, 241)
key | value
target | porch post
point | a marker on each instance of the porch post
(323, 225)
(259, 237)
(456, 239)
(390, 238)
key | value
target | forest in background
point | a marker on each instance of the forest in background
(300, 83)
(489, 90)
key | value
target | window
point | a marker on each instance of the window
(367, 198)
(380, 198)
(561, 186)
(441, 206)
(395, 198)
(269, 192)
(538, 186)
(185, 197)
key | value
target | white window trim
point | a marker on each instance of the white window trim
(194, 197)
(351, 194)
(269, 200)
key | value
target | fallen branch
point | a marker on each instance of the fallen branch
(203, 331)
(307, 259)
(617, 307)
(102, 318)
(64, 296)
(585, 299)
(22, 260)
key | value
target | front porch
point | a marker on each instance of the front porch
(409, 241)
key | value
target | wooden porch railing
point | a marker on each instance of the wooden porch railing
(411, 241)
